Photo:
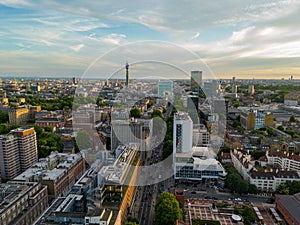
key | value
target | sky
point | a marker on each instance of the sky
(241, 38)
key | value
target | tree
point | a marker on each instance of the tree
(132, 221)
(236, 105)
(83, 139)
(149, 105)
(280, 128)
(248, 215)
(257, 154)
(3, 118)
(38, 130)
(252, 189)
(157, 113)
(270, 131)
(135, 112)
(167, 210)
(289, 188)
(49, 129)
(167, 148)
(293, 119)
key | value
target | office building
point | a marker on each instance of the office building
(127, 74)
(22, 202)
(182, 133)
(211, 88)
(201, 137)
(18, 151)
(197, 165)
(255, 119)
(196, 82)
(193, 108)
(251, 89)
(165, 89)
(116, 182)
(124, 132)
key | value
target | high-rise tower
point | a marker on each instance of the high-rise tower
(196, 82)
(127, 74)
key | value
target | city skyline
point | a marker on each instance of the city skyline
(246, 39)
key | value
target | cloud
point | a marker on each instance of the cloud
(15, 3)
(76, 48)
(231, 30)
(111, 39)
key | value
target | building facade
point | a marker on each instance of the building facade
(18, 115)
(254, 120)
(182, 133)
(196, 82)
(58, 172)
(165, 89)
(18, 151)
(124, 132)
(22, 202)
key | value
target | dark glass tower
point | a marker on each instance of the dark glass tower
(127, 74)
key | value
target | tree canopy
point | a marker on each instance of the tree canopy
(167, 210)
(3, 117)
(289, 188)
(83, 139)
(236, 183)
(157, 113)
(47, 142)
(132, 221)
(135, 112)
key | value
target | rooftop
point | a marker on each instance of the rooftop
(10, 192)
(291, 204)
(51, 168)
(116, 173)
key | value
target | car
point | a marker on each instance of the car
(193, 192)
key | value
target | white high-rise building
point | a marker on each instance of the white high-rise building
(183, 133)
(192, 163)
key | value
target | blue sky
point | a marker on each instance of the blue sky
(242, 38)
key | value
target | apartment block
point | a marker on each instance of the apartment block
(18, 115)
(18, 151)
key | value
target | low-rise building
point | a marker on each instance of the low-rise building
(270, 181)
(58, 172)
(22, 202)
(50, 121)
(288, 206)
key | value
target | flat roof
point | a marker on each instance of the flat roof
(291, 204)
